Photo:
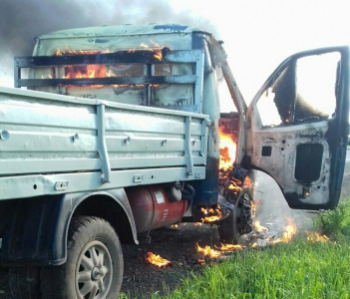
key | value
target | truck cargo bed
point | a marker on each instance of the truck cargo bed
(57, 144)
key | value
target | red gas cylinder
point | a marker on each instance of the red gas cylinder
(153, 209)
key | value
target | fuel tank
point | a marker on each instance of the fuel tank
(152, 207)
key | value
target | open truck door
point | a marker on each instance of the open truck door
(298, 127)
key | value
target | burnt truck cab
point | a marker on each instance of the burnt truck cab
(295, 130)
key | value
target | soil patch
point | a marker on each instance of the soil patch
(175, 244)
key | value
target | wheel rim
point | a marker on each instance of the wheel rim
(94, 271)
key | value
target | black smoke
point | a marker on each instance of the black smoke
(23, 20)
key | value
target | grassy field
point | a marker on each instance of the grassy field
(299, 269)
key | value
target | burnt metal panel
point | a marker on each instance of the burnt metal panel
(120, 57)
(194, 57)
(172, 27)
(308, 162)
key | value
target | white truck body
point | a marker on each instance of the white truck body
(52, 144)
(118, 134)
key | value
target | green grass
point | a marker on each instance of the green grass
(300, 269)
(335, 223)
(296, 270)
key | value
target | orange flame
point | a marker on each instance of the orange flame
(100, 71)
(259, 228)
(288, 235)
(157, 51)
(86, 71)
(78, 52)
(156, 260)
(233, 186)
(229, 247)
(291, 230)
(254, 245)
(207, 251)
(216, 214)
(316, 237)
(201, 262)
(248, 183)
(254, 204)
(158, 54)
(227, 150)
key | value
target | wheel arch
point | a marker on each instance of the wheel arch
(34, 231)
(111, 206)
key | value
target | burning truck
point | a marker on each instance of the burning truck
(114, 131)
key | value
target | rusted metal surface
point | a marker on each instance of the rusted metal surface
(282, 159)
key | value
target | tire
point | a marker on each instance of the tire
(232, 227)
(25, 282)
(94, 267)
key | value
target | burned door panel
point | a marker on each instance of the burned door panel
(295, 124)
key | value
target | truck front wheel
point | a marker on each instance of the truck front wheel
(94, 267)
(239, 221)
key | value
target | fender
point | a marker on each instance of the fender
(34, 231)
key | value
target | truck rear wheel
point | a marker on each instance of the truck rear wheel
(94, 267)
(239, 221)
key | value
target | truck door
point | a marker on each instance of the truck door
(298, 127)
